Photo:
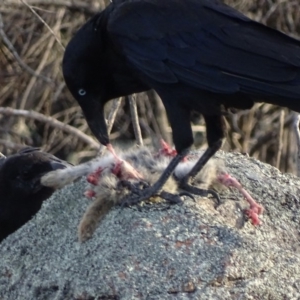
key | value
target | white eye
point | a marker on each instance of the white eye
(81, 92)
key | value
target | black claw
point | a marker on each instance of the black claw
(132, 199)
(172, 198)
(216, 196)
(138, 196)
(124, 184)
(135, 188)
(201, 192)
(187, 194)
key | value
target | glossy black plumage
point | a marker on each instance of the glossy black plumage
(198, 55)
(21, 193)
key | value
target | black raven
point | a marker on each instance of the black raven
(21, 193)
(198, 55)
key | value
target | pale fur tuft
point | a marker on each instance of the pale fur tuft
(60, 178)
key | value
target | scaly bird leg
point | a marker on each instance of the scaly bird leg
(155, 189)
(184, 183)
(166, 150)
(215, 133)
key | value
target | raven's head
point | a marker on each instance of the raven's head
(21, 172)
(21, 192)
(84, 72)
(96, 70)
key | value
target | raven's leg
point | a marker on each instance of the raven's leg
(155, 189)
(215, 134)
(179, 118)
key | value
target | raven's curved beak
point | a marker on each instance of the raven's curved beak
(94, 113)
(99, 129)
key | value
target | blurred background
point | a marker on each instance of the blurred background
(33, 34)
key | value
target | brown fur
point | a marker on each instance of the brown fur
(107, 196)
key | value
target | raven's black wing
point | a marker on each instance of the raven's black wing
(207, 45)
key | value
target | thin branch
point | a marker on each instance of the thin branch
(296, 121)
(10, 145)
(41, 19)
(46, 55)
(113, 113)
(160, 115)
(12, 49)
(52, 122)
(280, 138)
(111, 119)
(90, 8)
(268, 136)
(135, 120)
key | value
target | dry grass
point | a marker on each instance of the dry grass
(33, 35)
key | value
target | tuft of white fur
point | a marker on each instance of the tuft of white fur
(59, 178)
(135, 166)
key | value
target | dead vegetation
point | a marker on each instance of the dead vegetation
(33, 34)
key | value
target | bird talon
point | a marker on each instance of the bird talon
(216, 196)
(201, 192)
(141, 195)
(188, 195)
(130, 200)
(171, 198)
(134, 187)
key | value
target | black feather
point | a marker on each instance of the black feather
(21, 193)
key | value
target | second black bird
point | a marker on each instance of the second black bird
(21, 192)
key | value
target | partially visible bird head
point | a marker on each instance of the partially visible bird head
(21, 192)
(96, 71)
(21, 173)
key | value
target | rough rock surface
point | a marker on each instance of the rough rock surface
(193, 251)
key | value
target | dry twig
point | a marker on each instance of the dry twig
(296, 122)
(16, 55)
(54, 123)
(280, 138)
(42, 20)
(111, 119)
(135, 120)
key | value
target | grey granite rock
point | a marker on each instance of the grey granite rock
(193, 251)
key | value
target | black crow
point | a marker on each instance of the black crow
(198, 55)
(21, 193)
